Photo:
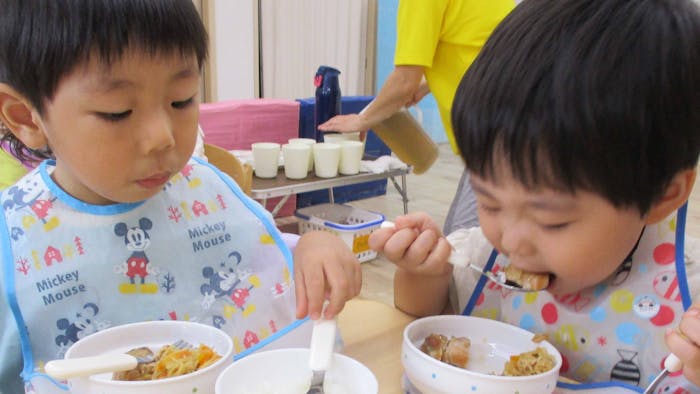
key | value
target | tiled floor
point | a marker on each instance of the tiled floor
(432, 192)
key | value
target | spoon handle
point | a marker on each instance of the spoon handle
(671, 364)
(86, 366)
(322, 341)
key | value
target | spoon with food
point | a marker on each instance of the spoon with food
(511, 277)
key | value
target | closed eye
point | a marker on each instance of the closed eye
(114, 116)
(182, 104)
(554, 227)
(489, 209)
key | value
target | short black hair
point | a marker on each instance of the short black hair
(42, 41)
(596, 95)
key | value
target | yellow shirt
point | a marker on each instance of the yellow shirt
(445, 36)
(10, 169)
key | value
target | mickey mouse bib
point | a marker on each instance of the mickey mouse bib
(200, 250)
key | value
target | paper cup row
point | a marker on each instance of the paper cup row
(303, 155)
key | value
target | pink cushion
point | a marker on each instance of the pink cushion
(236, 124)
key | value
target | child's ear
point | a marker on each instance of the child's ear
(677, 193)
(21, 118)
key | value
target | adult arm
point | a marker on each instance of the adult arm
(401, 88)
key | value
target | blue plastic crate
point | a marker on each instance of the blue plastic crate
(374, 147)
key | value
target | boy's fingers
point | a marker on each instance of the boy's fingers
(300, 292)
(339, 284)
(314, 283)
(436, 260)
(686, 351)
(358, 279)
(420, 221)
(379, 237)
(397, 246)
(690, 325)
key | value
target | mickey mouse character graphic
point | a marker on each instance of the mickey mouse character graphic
(137, 240)
(83, 325)
(27, 195)
(226, 282)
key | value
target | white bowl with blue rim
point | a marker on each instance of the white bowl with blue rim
(492, 344)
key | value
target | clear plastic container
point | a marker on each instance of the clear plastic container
(405, 136)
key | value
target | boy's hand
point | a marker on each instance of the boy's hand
(324, 268)
(685, 343)
(415, 244)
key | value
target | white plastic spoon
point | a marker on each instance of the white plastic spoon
(671, 364)
(86, 366)
(321, 352)
(92, 365)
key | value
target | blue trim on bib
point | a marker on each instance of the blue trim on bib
(270, 339)
(480, 284)
(680, 257)
(81, 206)
(9, 275)
(59, 385)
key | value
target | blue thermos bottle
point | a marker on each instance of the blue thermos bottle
(328, 103)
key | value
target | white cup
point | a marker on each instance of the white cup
(296, 160)
(266, 156)
(326, 159)
(350, 156)
(338, 137)
(307, 141)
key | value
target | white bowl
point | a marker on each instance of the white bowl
(153, 334)
(492, 344)
(286, 371)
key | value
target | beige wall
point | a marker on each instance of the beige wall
(290, 51)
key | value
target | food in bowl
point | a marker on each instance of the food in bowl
(533, 362)
(171, 360)
(154, 335)
(492, 344)
(526, 280)
(454, 351)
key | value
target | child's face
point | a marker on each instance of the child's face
(119, 134)
(580, 239)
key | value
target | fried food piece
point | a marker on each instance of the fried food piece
(454, 351)
(143, 370)
(537, 338)
(434, 346)
(457, 352)
(529, 363)
(526, 280)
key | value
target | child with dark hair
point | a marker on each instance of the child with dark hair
(121, 224)
(579, 123)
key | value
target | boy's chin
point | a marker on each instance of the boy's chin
(562, 288)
